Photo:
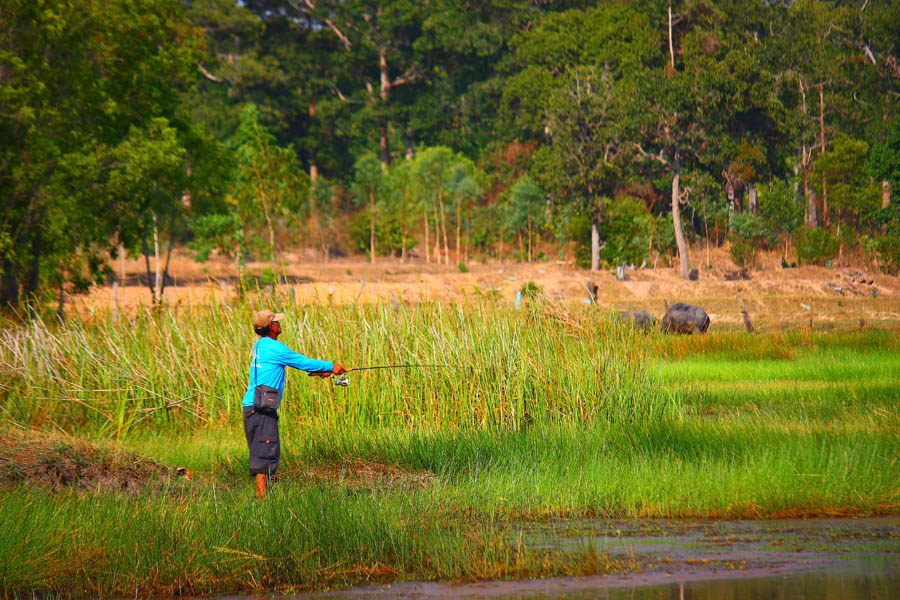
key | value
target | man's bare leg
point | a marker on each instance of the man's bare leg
(261, 481)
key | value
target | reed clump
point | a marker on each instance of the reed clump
(493, 368)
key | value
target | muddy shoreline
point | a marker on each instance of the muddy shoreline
(859, 557)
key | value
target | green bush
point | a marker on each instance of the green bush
(816, 246)
(530, 289)
(889, 249)
(626, 231)
(749, 234)
(388, 234)
(576, 228)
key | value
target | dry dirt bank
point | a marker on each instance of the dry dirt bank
(776, 298)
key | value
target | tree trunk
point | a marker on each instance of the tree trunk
(729, 192)
(34, 271)
(146, 252)
(825, 215)
(9, 287)
(521, 249)
(595, 244)
(384, 152)
(271, 228)
(885, 199)
(61, 303)
(372, 225)
(437, 236)
(122, 261)
(403, 244)
(812, 210)
(812, 217)
(676, 215)
(313, 169)
(385, 90)
(444, 228)
(165, 273)
(671, 46)
(427, 255)
(529, 240)
(458, 228)
(157, 281)
(752, 204)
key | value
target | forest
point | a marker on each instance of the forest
(608, 133)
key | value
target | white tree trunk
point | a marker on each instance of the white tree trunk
(427, 255)
(372, 226)
(157, 295)
(676, 216)
(751, 195)
(595, 244)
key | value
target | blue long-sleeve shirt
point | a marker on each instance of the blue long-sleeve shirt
(268, 369)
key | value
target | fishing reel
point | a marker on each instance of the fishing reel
(341, 380)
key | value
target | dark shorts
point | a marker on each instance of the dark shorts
(261, 429)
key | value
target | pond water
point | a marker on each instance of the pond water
(832, 559)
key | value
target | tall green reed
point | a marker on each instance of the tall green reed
(499, 369)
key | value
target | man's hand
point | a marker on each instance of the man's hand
(339, 369)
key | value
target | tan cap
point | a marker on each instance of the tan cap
(264, 318)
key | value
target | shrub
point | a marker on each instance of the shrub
(531, 290)
(463, 268)
(576, 228)
(749, 234)
(889, 249)
(816, 246)
(626, 231)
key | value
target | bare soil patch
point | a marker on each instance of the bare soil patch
(777, 298)
(57, 461)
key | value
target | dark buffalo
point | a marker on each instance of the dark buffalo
(685, 318)
(640, 318)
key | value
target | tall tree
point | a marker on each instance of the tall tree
(568, 95)
(369, 185)
(76, 82)
(269, 183)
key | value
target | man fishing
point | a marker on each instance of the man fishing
(263, 397)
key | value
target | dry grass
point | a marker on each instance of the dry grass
(358, 473)
(58, 461)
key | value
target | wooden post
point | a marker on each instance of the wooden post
(592, 291)
(747, 323)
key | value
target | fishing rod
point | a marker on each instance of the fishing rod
(344, 381)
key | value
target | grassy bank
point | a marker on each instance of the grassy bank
(497, 369)
(431, 475)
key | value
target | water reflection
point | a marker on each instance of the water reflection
(812, 586)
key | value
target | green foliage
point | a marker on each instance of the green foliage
(269, 186)
(530, 289)
(574, 227)
(222, 232)
(888, 248)
(780, 207)
(463, 268)
(843, 169)
(626, 232)
(749, 234)
(90, 96)
(884, 159)
(816, 246)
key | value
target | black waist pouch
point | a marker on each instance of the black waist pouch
(266, 399)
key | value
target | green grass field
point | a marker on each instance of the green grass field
(544, 413)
